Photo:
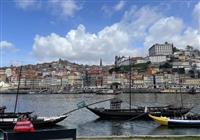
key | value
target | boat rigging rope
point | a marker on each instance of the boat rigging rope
(136, 117)
(1, 130)
(87, 106)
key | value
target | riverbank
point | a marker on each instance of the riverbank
(168, 137)
(98, 93)
(142, 137)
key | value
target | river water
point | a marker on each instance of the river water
(88, 124)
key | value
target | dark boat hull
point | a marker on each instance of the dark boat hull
(184, 123)
(133, 113)
(37, 123)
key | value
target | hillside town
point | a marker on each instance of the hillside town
(165, 69)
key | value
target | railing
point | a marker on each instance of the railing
(42, 135)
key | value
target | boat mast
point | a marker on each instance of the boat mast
(180, 87)
(16, 99)
(130, 83)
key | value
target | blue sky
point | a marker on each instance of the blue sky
(83, 31)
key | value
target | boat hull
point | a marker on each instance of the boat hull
(133, 113)
(175, 122)
(123, 114)
(184, 123)
(37, 123)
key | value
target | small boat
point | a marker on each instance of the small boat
(190, 121)
(192, 91)
(9, 119)
(138, 113)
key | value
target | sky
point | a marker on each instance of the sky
(84, 31)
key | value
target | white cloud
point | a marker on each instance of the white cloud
(137, 21)
(66, 8)
(26, 4)
(110, 10)
(172, 30)
(80, 45)
(138, 30)
(119, 6)
(196, 13)
(5, 45)
(165, 29)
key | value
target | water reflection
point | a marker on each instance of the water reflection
(165, 130)
(116, 128)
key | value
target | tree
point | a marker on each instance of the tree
(191, 73)
(166, 65)
(198, 74)
(189, 48)
(175, 49)
(197, 52)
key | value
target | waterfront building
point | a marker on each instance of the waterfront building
(186, 65)
(75, 79)
(137, 60)
(161, 49)
(2, 75)
(197, 65)
(181, 64)
(152, 70)
(160, 81)
(138, 81)
(93, 77)
(109, 79)
(148, 81)
(141, 60)
(121, 61)
(180, 55)
(4, 86)
(125, 61)
(192, 82)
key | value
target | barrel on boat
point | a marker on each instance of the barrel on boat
(24, 126)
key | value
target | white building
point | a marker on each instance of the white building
(141, 60)
(161, 49)
(148, 81)
(186, 65)
(158, 58)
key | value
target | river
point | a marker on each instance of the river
(88, 124)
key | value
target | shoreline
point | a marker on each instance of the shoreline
(141, 137)
(77, 93)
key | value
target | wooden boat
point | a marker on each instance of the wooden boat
(9, 120)
(190, 121)
(116, 112)
(138, 113)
